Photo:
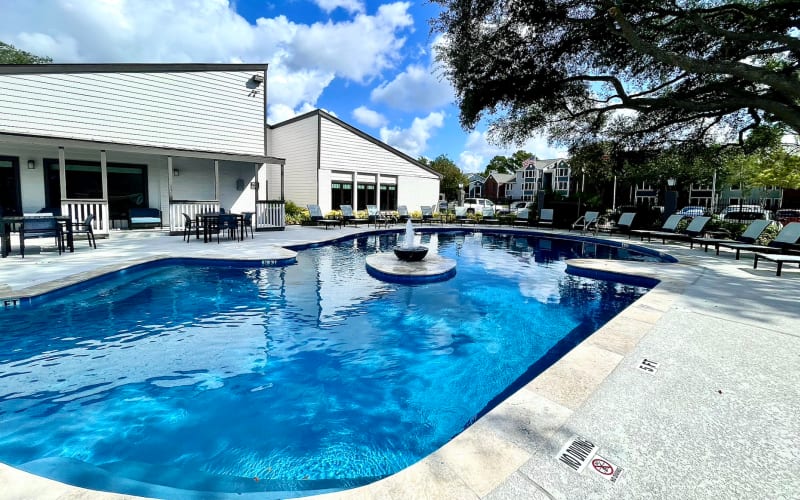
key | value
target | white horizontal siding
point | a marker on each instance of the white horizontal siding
(208, 111)
(297, 143)
(342, 149)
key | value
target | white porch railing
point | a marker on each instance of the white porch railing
(270, 214)
(78, 210)
(189, 207)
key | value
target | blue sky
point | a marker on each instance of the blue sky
(370, 63)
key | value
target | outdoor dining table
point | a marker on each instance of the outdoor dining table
(5, 230)
(207, 217)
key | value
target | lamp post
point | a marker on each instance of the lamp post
(460, 194)
(670, 198)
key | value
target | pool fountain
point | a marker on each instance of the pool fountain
(409, 263)
(408, 251)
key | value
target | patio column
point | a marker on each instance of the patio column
(282, 198)
(170, 175)
(62, 173)
(378, 190)
(355, 190)
(104, 174)
(216, 181)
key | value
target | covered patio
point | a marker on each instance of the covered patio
(78, 178)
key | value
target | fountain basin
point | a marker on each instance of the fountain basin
(411, 254)
(387, 267)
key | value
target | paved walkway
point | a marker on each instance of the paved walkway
(713, 414)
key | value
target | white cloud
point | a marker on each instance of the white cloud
(413, 140)
(368, 117)
(478, 150)
(303, 59)
(416, 88)
(348, 5)
(357, 49)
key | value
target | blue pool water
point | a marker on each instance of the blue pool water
(200, 381)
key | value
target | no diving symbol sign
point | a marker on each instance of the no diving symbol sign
(602, 467)
(605, 468)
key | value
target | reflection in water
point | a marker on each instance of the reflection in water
(311, 376)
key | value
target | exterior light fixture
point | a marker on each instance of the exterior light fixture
(671, 182)
(31, 165)
(257, 80)
(176, 172)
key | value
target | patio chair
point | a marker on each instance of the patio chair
(427, 214)
(317, 218)
(376, 217)
(695, 229)
(40, 227)
(488, 216)
(85, 227)
(188, 225)
(545, 217)
(586, 221)
(461, 216)
(229, 224)
(749, 236)
(785, 240)
(248, 223)
(670, 226)
(348, 217)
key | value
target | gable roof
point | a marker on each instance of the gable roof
(502, 178)
(358, 132)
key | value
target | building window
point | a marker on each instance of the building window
(127, 184)
(10, 199)
(366, 195)
(388, 197)
(341, 194)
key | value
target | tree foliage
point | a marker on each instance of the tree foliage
(12, 55)
(452, 176)
(505, 165)
(646, 71)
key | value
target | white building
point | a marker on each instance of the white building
(100, 139)
(331, 163)
(535, 175)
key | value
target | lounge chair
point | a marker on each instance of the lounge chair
(40, 227)
(779, 259)
(749, 236)
(545, 217)
(785, 240)
(348, 217)
(376, 217)
(488, 216)
(623, 225)
(695, 229)
(461, 216)
(521, 217)
(402, 213)
(317, 218)
(427, 214)
(586, 221)
(669, 226)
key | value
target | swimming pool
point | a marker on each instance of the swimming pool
(228, 379)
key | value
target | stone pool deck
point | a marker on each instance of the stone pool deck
(715, 416)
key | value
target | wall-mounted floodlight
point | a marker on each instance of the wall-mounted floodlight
(257, 79)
